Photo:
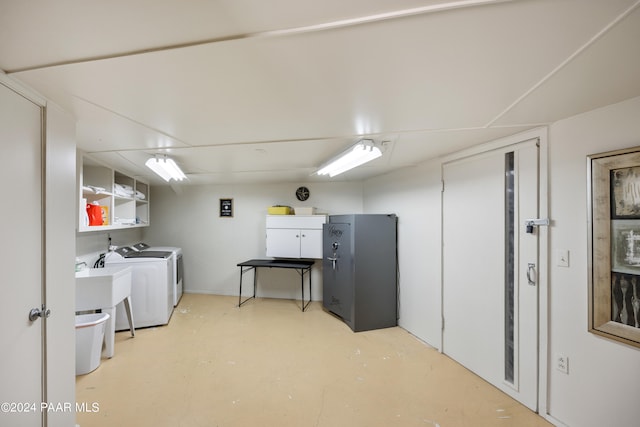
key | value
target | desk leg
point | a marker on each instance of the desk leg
(240, 292)
(308, 271)
(310, 294)
(255, 280)
(242, 271)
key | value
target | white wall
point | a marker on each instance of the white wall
(213, 246)
(90, 245)
(603, 384)
(414, 195)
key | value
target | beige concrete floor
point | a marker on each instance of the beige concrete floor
(269, 364)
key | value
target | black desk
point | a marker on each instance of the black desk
(301, 266)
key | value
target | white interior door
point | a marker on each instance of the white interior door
(21, 290)
(490, 307)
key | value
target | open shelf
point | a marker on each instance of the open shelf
(124, 200)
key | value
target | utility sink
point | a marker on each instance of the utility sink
(105, 288)
(102, 287)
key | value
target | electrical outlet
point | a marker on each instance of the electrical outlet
(562, 363)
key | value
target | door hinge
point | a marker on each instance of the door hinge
(443, 323)
(442, 190)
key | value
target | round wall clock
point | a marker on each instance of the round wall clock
(302, 193)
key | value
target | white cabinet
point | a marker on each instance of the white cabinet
(124, 200)
(295, 236)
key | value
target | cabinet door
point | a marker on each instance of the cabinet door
(311, 244)
(283, 242)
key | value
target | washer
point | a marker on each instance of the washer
(151, 286)
(177, 266)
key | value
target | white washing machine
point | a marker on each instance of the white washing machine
(151, 286)
(177, 266)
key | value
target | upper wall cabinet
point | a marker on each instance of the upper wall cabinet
(115, 200)
(295, 236)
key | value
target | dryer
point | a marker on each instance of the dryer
(151, 286)
(177, 266)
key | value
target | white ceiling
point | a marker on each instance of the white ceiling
(256, 91)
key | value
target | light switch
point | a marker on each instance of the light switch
(562, 257)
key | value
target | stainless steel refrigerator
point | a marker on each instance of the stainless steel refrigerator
(359, 270)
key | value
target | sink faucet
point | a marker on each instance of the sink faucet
(80, 265)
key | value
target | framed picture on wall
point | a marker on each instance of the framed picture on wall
(226, 208)
(625, 193)
(614, 245)
(625, 246)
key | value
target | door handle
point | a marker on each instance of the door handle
(35, 313)
(530, 223)
(531, 269)
(333, 261)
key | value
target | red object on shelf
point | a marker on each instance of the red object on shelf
(95, 214)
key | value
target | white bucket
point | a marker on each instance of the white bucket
(89, 337)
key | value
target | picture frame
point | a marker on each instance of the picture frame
(614, 244)
(625, 193)
(226, 208)
(625, 246)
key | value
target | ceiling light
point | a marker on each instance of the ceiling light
(165, 167)
(362, 152)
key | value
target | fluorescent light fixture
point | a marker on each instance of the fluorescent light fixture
(362, 152)
(166, 168)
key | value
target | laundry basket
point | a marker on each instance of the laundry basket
(89, 337)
